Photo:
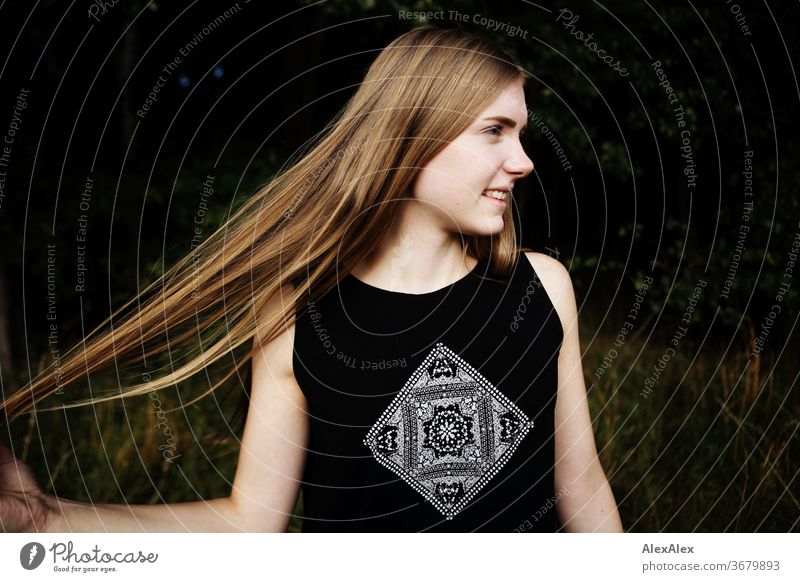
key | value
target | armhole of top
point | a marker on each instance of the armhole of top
(294, 351)
(549, 296)
(296, 362)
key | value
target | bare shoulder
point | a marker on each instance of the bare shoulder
(279, 350)
(557, 283)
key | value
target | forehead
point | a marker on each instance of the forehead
(510, 102)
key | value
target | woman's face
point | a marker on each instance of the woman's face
(488, 155)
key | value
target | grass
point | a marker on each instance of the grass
(712, 448)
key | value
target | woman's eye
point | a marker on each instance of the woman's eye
(495, 130)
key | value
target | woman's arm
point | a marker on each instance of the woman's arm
(24, 507)
(196, 516)
(264, 489)
(587, 503)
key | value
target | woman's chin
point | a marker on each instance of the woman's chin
(491, 226)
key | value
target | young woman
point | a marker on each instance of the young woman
(413, 369)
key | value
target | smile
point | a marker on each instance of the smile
(498, 195)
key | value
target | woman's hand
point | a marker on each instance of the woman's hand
(24, 506)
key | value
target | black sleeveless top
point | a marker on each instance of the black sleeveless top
(431, 412)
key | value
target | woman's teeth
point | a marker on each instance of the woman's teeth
(498, 194)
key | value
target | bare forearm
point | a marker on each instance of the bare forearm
(590, 507)
(196, 516)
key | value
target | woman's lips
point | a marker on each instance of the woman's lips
(497, 196)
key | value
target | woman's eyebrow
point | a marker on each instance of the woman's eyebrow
(505, 121)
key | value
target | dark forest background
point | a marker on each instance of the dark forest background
(713, 446)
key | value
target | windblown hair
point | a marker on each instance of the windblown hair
(309, 226)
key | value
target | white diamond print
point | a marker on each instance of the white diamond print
(448, 431)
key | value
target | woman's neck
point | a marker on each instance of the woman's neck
(404, 267)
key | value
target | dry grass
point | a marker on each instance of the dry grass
(713, 448)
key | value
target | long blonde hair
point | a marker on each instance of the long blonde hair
(309, 225)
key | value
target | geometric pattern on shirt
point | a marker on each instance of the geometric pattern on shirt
(448, 431)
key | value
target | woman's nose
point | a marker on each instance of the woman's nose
(519, 163)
